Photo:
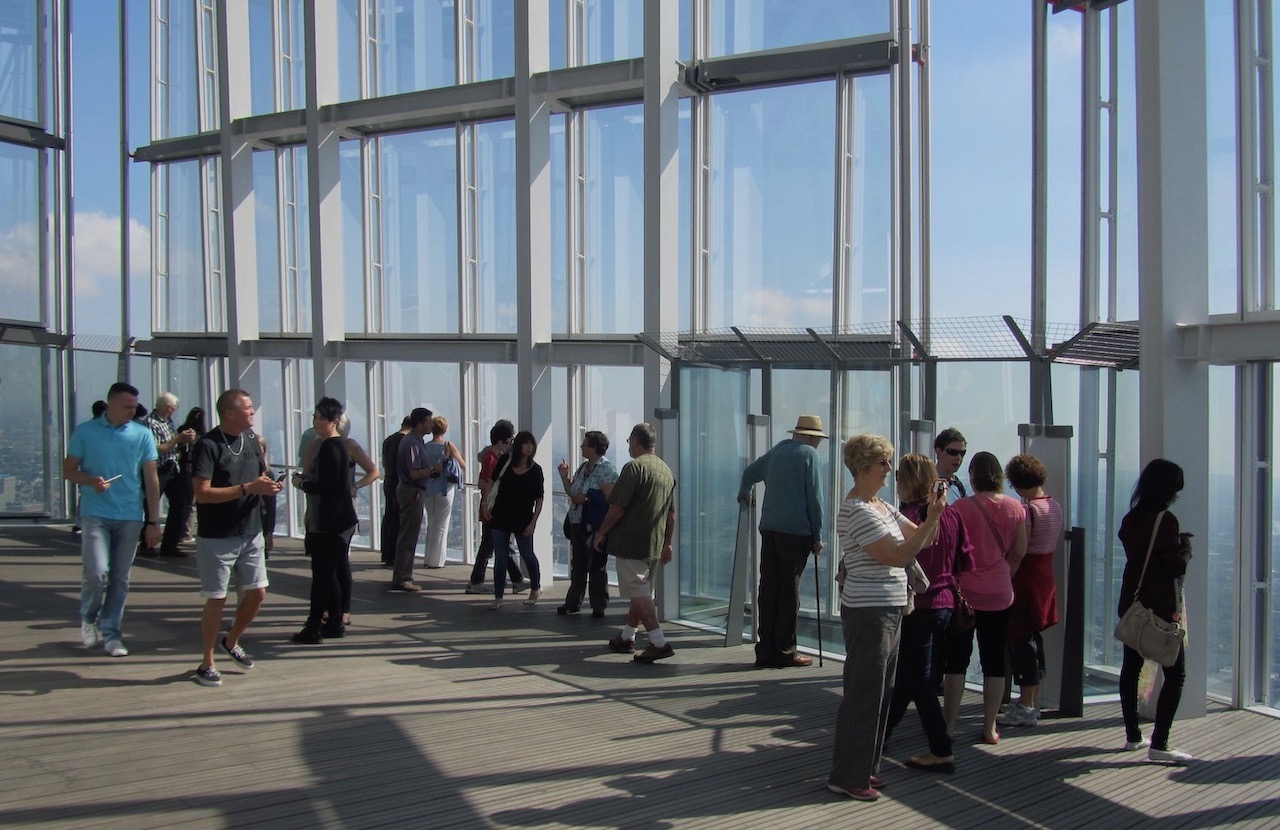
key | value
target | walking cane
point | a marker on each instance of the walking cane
(817, 598)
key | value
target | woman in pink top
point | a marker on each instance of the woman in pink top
(1035, 597)
(997, 529)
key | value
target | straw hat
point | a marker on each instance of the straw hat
(809, 425)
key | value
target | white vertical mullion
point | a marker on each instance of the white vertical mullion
(159, 244)
(843, 194)
(371, 224)
(576, 200)
(1265, 138)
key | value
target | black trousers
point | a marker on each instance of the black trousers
(329, 552)
(173, 488)
(783, 558)
(587, 571)
(390, 523)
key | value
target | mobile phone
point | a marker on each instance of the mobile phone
(280, 478)
(115, 477)
(941, 487)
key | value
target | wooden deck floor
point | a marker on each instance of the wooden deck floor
(434, 712)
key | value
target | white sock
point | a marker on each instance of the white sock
(628, 633)
(657, 637)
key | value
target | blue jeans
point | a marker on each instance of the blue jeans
(106, 553)
(921, 640)
(502, 551)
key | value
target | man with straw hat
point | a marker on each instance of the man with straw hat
(790, 530)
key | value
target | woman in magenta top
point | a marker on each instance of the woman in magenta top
(998, 532)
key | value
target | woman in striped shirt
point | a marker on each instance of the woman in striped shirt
(877, 543)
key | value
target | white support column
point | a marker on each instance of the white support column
(533, 248)
(1173, 283)
(661, 238)
(324, 216)
(240, 276)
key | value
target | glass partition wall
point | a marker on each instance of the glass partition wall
(465, 214)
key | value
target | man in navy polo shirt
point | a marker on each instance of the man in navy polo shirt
(111, 458)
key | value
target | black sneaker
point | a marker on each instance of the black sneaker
(208, 676)
(566, 609)
(308, 637)
(238, 654)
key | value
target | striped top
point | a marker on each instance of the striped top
(1044, 521)
(868, 583)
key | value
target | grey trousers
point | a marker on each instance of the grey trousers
(411, 501)
(871, 658)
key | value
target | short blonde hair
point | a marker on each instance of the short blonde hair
(439, 425)
(916, 475)
(862, 451)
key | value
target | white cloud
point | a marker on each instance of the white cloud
(96, 254)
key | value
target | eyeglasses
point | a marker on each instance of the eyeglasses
(886, 463)
(955, 453)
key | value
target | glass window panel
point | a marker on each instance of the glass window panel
(613, 30)
(262, 81)
(714, 405)
(495, 231)
(267, 243)
(493, 385)
(296, 239)
(354, 254)
(613, 220)
(420, 232)
(1218, 542)
(1062, 252)
(495, 39)
(357, 412)
(563, 444)
(30, 433)
(685, 320)
(981, 179)
(870, 266)
(1127, 179)
(751, 25)
(22, 272)
(20, 54)
(560, 243)
(179, 68)
(558, 31)
(1267, 572)
(1220, 41)
(986, 402)
(415, 45)
(350, 51)
(182, 288)
(771, 206)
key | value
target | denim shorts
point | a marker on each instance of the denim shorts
(217, 559)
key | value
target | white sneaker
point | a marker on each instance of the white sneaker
(1018, 715)
(496, 605)
(115, 648)
(519, 587)
(1169, 756)
(1130, 746)
(476, 588)
(534, 596)
(90, 635)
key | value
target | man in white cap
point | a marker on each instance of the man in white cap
(790, 530)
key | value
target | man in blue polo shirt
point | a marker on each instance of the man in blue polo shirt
(111, 459)
(790, 530)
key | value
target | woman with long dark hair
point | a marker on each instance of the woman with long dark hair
(515, 515)
(1149, 524)
(331, 524)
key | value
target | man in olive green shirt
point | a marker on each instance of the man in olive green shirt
(640, 524)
